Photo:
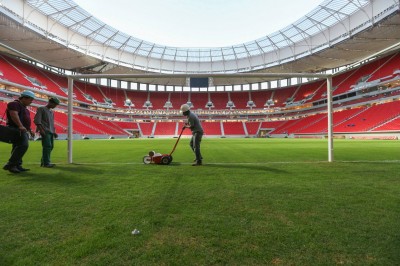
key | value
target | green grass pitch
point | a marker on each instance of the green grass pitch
(254, 202)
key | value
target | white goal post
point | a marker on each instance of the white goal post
(328, 78)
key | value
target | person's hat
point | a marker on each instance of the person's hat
(28, 94)
(184, 108)
(54, 100)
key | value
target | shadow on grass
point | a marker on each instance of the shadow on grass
(173, 164)
(79, 169)
(256, 167)
(58, 174)
(4, 261)
(51, 178)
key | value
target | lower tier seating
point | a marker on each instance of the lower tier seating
(377, 118)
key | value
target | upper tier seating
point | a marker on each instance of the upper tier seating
(219, 99)
(12, 73)
(376, 69)
(62, 83)
(158, 99)
(179, 98)
(199, 100)
(260, 98)
(117, 96)
(283, 95)
(310, 92)
(240, 99)
(91, 92)
(386, 66)
(138, 98)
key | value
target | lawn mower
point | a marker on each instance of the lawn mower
(158, 158)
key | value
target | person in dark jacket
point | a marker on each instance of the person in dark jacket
(18, 117)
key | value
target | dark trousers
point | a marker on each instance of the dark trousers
(47, 145)
(19, 148)
(195, 145)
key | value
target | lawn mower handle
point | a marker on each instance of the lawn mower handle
(176, 143)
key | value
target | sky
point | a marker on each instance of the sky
(198, 23)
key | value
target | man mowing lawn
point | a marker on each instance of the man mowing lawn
(197, 133)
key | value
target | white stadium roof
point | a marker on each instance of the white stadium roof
(62, 34)
(80, 21)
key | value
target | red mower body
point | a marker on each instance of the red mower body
(158, 158)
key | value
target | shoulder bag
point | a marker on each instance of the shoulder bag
(8, 134)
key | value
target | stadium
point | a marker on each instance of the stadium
(301, 142)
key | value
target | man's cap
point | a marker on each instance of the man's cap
(54, 100)
(184, 108)
(28, 94)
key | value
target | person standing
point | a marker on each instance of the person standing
(44, 121)
(194, 124)
(18, 117)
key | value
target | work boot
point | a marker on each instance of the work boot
(21, 169)
(14, 170)
(197, 163)
(50, 165)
